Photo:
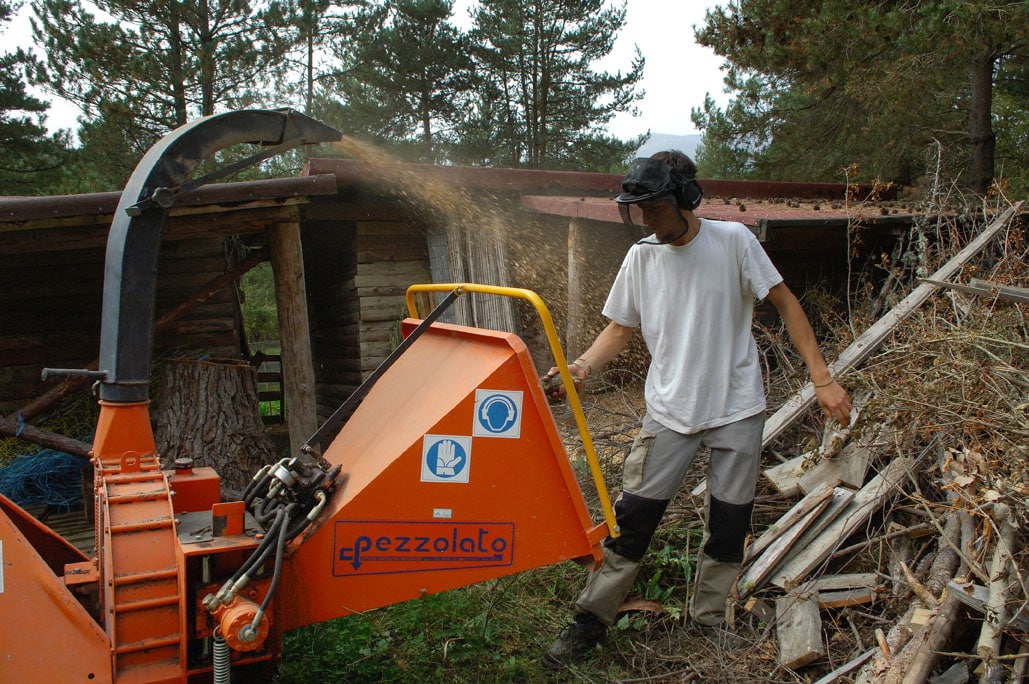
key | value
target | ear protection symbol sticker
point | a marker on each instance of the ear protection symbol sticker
(498, 413)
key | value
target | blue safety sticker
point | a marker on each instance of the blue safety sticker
(446, 458)
(498, 413)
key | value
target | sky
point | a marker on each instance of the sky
(677, 76)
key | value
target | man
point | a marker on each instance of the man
(691, 289)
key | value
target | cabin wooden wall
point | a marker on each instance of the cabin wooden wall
(357, 276)
(50, 310)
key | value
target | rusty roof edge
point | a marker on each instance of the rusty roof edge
(352, 172)
(15, 209)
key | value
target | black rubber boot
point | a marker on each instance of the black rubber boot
(578, 638)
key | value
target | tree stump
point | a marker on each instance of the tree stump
(209, 411)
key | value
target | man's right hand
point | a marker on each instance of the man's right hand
(555, 389)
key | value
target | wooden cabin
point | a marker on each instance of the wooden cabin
(345, 239)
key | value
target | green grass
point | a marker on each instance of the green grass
(495, 631)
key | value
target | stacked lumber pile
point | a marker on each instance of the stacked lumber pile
(920, 510)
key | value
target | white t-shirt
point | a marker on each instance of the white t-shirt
(694, 305)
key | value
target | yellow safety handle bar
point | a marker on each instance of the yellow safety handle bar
(562, 367)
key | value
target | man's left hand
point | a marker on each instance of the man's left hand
(835, 402)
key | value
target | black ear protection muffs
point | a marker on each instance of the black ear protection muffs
(686, 189)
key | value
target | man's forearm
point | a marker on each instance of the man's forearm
(608, 344)
(801, 335)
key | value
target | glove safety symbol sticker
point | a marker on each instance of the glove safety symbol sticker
(446, 458)
(498, 413)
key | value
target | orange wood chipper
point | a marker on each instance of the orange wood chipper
(447, 470)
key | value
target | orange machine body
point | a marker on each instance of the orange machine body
(453, 472)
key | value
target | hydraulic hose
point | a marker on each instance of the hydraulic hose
(258, 557)
(280, 549)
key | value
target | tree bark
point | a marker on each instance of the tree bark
(208, 411)
(980, 124)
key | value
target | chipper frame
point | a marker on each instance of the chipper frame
(448, 471)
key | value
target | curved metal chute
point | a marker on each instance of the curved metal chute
(134, 241)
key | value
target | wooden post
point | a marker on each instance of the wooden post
(294, 332)
(578, 301)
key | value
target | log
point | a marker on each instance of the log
(925, 646)
(208, 411)
(50, 440)
(896, 638)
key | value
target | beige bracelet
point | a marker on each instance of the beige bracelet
(583, 365)
(825, 384)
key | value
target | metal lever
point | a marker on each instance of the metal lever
(73, 373)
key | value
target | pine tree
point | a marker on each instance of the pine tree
(822, 85)
(33, 160)
(140, 69)
(406, 77)
(541, 99)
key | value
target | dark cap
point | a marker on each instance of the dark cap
(646, 178)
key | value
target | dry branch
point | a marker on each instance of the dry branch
(996, 615)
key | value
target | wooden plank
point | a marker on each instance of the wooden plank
(849, 467)
(981, 288)
(799, 629)
(814, 550)
(849, 580)
(847, 667)
(388, 228)
(975, 596)
(845, 597)
(755, 576)
(785, 476)
(869, 341)
(799, 510)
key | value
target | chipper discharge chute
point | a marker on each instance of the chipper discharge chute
(448, 470)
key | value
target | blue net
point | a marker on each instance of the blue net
(51, 478)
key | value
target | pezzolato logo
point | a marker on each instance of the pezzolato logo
(379, 546)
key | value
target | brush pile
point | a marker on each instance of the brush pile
(892, 551)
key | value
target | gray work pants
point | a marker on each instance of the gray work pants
(652, 474)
